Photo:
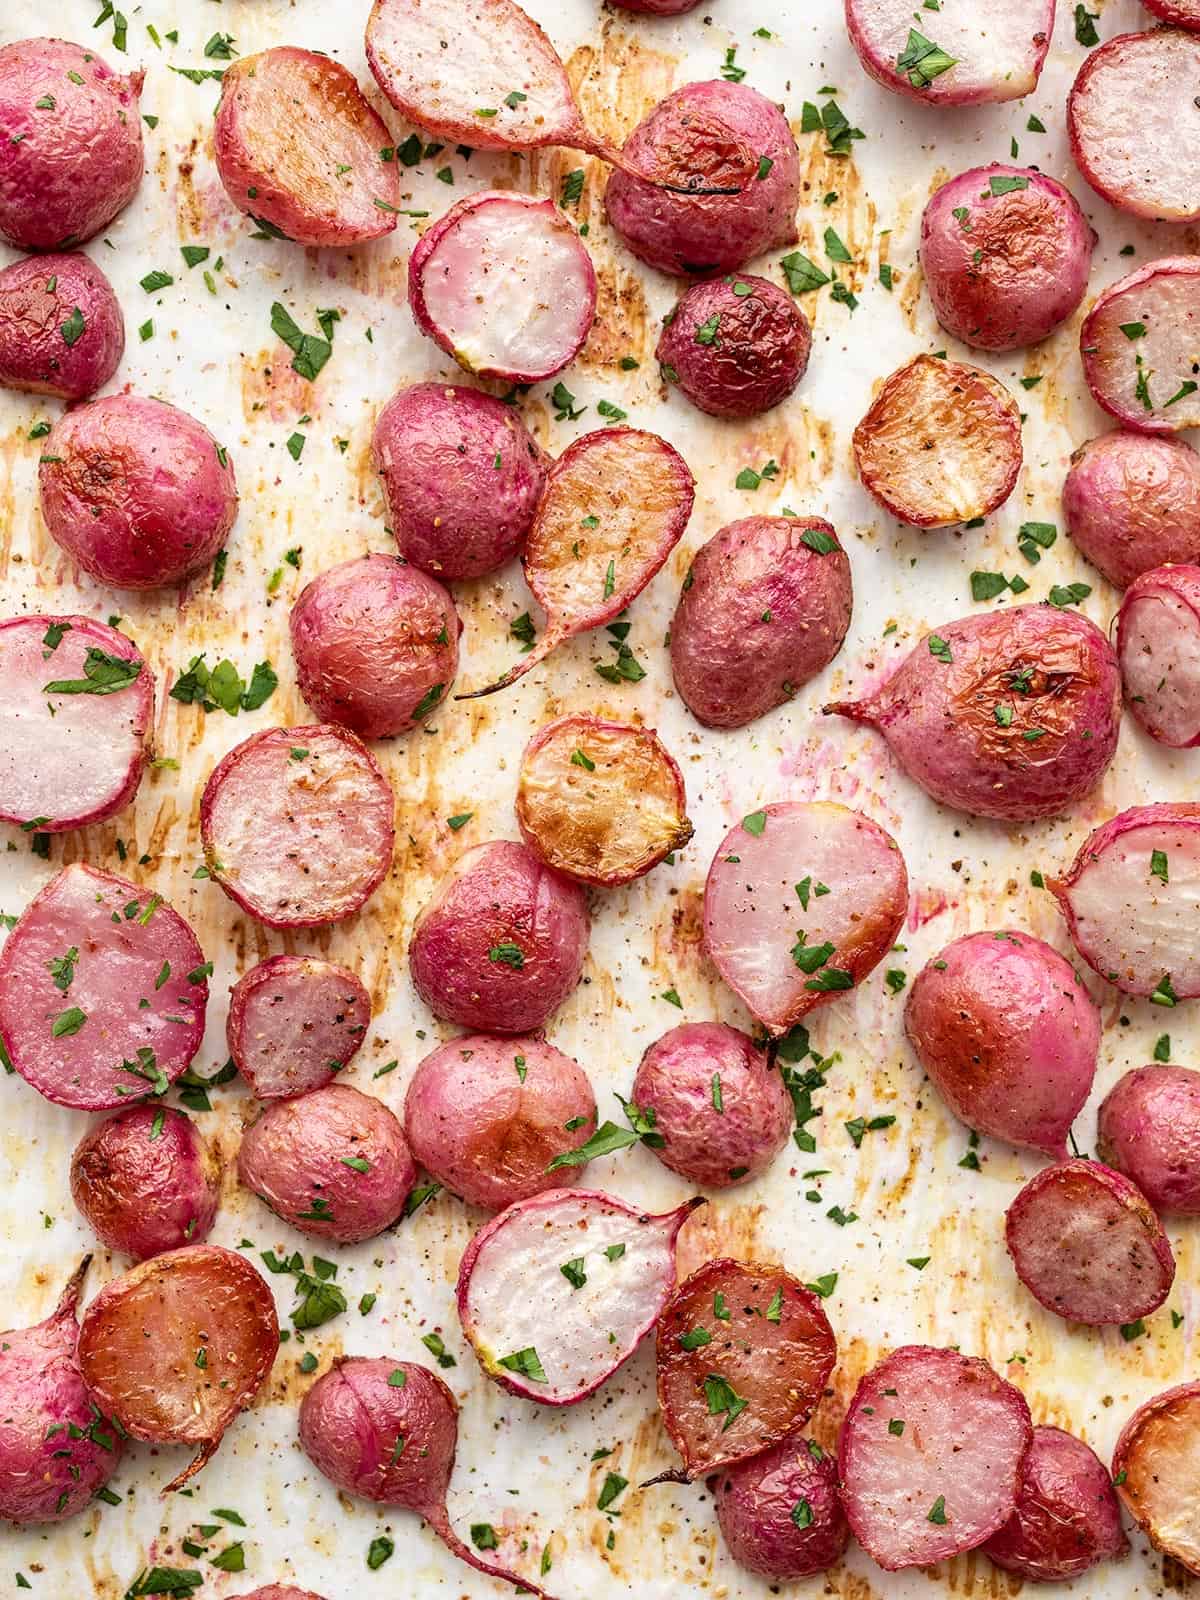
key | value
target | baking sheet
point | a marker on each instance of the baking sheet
(526, 1470)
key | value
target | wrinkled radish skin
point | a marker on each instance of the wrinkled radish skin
(524, 1316)
(1150, 381)
(504, 284)
(1158, 643)
(1067, 1519)
(758, 1507)
(735, 349)
(146, 1181)
(997, 47)
(1156, 1467)
(1139, 932)
(37, 320)
(1182, 13)
(1149, 1128)
(293, 1023)
(1132, 502)
(656, 8)
(281, 1591)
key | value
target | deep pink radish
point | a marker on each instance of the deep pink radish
(1138, 345)
(281, 1591)
(780, 1512)
(969, 55)
(735, 346)
(1067, 1519)
(1148, 1127)
(1131, 501)
(61, 328)
(146, 1181)
(1158, 643)
(1182, 13)
(293, 1023)
(1154, 1471)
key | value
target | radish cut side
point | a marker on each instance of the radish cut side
(1140, 356)
(1156, 1468)
(552, 1335)
(967, 52)
(1158, 642)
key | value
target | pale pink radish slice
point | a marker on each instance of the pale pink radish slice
(299, 147)
(298, 825)
(1158, 643)
(293, 1023)
(961, 53)
(557, 1292)
(1183, 13)
(1134, 124)
(1156, 1470)
(1141, 347)
(1086, 1243)
(504, 284)
(803, 900)
(76, 702)
(1132, 901)
(103, 990)
(616, 504)
(931, 1452)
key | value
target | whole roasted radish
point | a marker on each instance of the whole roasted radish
(61, 328)
(735, 346)
(1158, 643)
(1149, 1129)
(293, 1023)
(1154, 1472)
(281, 1591)
(780, 1512)
(1067, 1519)
(1137, 344)
(146, 1181)
(958, 56)
(1182, 13)
(1132, 502)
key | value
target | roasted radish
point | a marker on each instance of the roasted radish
(1158, 643)
(1183, 13)
(962, 55)
(1138, 345)
(146, 1181)
(735, 346)
(61, 328)
(1155, 1472)
(780, 1512)
(1149, 1129)
(293, 1023)
(1067, 1519)
(1132, 502)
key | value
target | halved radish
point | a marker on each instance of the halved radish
(601, 802)
(175, 1348)
(1086, 1243)
(76, 703)
(1133, 122)
(298, 147)
(931, 1453)
(616, 504)
(1183, 13)
(1140, 356)
(504, 284)
(103, 990)
(960, 53)
(1156, 1470)
(1158, 643)
(1132, 901)
(743, 1354)
(294, 1022)
(941, 443)
(802, 901)
(297, 825)
(557, 1292)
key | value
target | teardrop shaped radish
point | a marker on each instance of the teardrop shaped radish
(557, 1292)
(1158, 642)
(1156, 1467)
(616, 504)
(1138, 346)
(802, 901)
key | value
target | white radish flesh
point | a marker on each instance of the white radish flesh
(966, 52)
(1139, 345)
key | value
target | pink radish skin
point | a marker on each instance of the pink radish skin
(66, 168)
(298, 146)
(298, 841)
(487, 1117)
(504, 284)
(1158, 643)
(1004, 269)
(1110, 138)
(69, 759)
(1154, 1470)
(753, 912)
(640, 491)
(735, 349)
(998, 48)
(141, 1334)
(1144, 381)
(138, 492)
(281, 1591)
(1067, 1519)
(1009, 1036)
(765, 607)
(502, 943)
(758, 1507)
(1053, 675)
(1086, 1244)
(959, 1456)
(293, 1023)
(1182, 13)
(46, 1476)
(123, 938)
(1149, 1129)
(297, 1158)
(524, 1316)
(656, 8)
(67, 340)
(350, 1421)
(146, 1181)
(453, 512)
(1132, 502)
(1141, 934)
(681, 1078)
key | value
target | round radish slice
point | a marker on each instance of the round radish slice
(1158, 643)
(940, 445)
(142, 1338)
(298, 825)
(1067, 1518)
(1139, 347)
(1183, 13)
(931, 1453)
(298, 147)
(1156, 1470)
(293, 1023)
(616, 504)
(103, 990)
(600, 802)
(1132, 901)
(967, 52)
(557, 1292)
(1086, 1243)
(743, 1354)
(803, 900)
(504, 284)
(76, 701)
(1135, 89)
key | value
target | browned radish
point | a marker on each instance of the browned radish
(1156, 1470)
(293, 1023)
(1139, 346)
(1067, 1519)
(616, 504)
(958, 53)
